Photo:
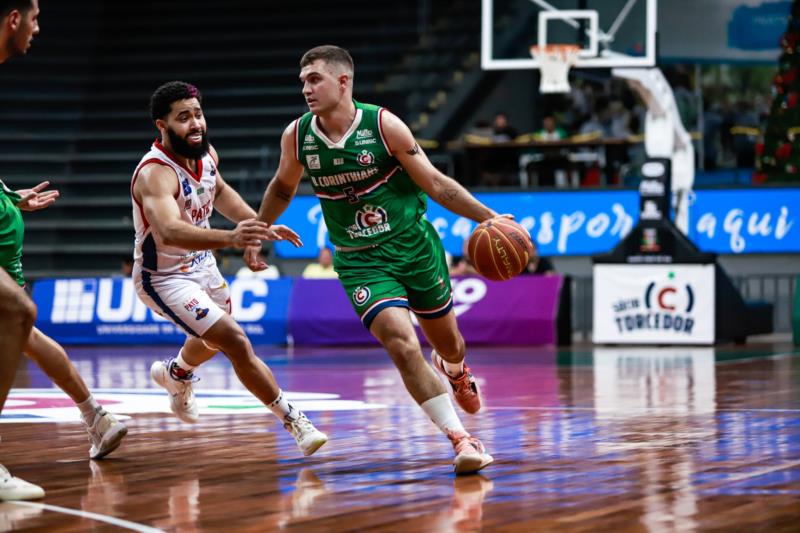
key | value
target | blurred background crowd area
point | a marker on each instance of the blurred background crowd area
(75, 110)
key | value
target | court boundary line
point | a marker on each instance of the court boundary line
(758, 358)
(119, 522)
(640, 409)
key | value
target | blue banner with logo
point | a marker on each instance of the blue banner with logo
(732, 221)
(108, 311)
(746, 221)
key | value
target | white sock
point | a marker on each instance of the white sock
(88, 407)
(441, 412)
(453, 369)
(281, 407)
(182, 364)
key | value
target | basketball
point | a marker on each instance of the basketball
(499, 248)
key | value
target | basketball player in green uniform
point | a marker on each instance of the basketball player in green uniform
(18, 26)
(372, 181)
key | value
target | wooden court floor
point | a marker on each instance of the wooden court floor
(587, 439)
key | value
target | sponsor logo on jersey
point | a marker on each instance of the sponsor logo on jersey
(313, 161)
(309, 139)
(365, 158)
(370, 220)
(361, 295)
(191, 304)
(343, 178)
(364, 134)
(365, 141)
(187, 205)
(213, 170)
(200, 313)
(187, 189)
(338, 160)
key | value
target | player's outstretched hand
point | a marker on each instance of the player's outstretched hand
(250, 232)
(285, 233)
(36, 198)
(253, 259)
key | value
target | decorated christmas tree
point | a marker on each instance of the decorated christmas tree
(778, 157)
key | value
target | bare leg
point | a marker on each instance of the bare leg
(17, 315)
(229, 337)
(393, 328)
(444, 336)
(196, 352)
(53, 360)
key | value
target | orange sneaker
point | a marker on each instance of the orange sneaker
(465, 388)
(470, 453)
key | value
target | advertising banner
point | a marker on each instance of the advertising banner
(722, 30)
(654, 304)
(739, 222)
(723, 221)
(519, 311)
(108, 311)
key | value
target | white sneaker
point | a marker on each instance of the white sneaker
(13, 488)
(309, 439)
(181, 400)
(105, 433)
(471, 456)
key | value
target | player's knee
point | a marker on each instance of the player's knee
(404, 352)
(237, 346)
(21, 310)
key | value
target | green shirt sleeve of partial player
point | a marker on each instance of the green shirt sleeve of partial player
(12, 233)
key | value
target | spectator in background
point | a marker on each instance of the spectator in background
(126, 267)
(500, 166)
(502, 131)
(323, 268)
(744, 141)
(550, 130)
(554, 160)
(712, 124)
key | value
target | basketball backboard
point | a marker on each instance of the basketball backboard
(610, 33)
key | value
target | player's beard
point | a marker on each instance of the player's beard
(183, 148)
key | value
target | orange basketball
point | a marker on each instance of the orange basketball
(499, 248)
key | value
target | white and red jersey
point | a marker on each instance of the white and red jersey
(195, 199)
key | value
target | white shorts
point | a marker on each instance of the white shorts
(193, 302)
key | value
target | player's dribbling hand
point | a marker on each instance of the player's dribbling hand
(254, 260)
(285, 233)
(34, 199)
(250, 232)
(511, 217)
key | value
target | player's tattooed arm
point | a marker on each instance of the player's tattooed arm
(414, 150)
(448, 195)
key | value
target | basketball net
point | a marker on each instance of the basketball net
(555, 61)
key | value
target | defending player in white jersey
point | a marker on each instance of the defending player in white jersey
(175, 189)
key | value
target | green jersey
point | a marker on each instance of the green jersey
(366, 196)
(12, 231)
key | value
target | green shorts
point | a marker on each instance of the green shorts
(12, 232)
(409, 270)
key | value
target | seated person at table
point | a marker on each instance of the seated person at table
(554, 160)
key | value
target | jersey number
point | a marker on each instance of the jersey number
(350, 192)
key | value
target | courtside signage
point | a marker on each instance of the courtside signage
(730, 221)
(108, 311)
(654, 304)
